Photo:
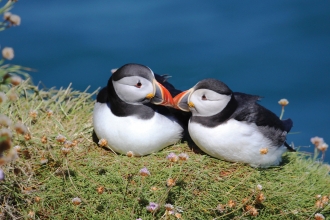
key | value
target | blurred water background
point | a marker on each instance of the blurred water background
(275, 49)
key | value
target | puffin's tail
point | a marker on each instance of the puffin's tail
(289, 147)
(287, 123)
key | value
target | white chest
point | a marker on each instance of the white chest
(236, 142)
(132, 134)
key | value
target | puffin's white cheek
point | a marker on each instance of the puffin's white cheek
(132, 89)
(206, 108)
(209, 107)
(129, 94)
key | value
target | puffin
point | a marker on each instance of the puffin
(232, 126)
(132, 112)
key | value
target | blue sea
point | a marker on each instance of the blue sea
(275, 49)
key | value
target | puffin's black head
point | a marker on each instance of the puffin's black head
(136, 84)
(208, 97)
(214, 85)
(133, 69)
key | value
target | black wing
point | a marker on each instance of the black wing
(162, 79)
(249, 110)
(102, 97)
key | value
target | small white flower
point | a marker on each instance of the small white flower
(60, 138)
(65, 150)
(3, 97)
(325, 200)
(31, 214)
(15, 80)
(20, 128)
(317, 140)
(33, 114)
(49, 112)
(144, 172)
(43, 161)
(172, 157)
(283, 102)
(263, 151)
(5, 121)
(68, 144)
(183, 156)
(260, 198)
(5, 132)
(168, 207)
(15, 20)
(221, 208)
(13, 154)
(232, 204)
(102, 142)
(8, 53)
(130, 154)
(170, 182)
(152, 207)
(17, 148)
(76, 201)
(6, 15)
(2, 175)
(319, 216)
(259, 187)
(322, 147)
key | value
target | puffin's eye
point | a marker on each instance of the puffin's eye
(204, 97)
(138, 85)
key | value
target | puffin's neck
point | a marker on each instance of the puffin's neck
(122, 109)
(219, 118)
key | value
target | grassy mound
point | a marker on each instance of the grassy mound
(62, 173)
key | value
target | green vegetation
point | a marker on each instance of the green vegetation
(52, 170)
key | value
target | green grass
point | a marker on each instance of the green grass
(201, 182)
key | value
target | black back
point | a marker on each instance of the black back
(250, 111)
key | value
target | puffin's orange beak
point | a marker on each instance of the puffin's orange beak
(181, 100)
(162, 95)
